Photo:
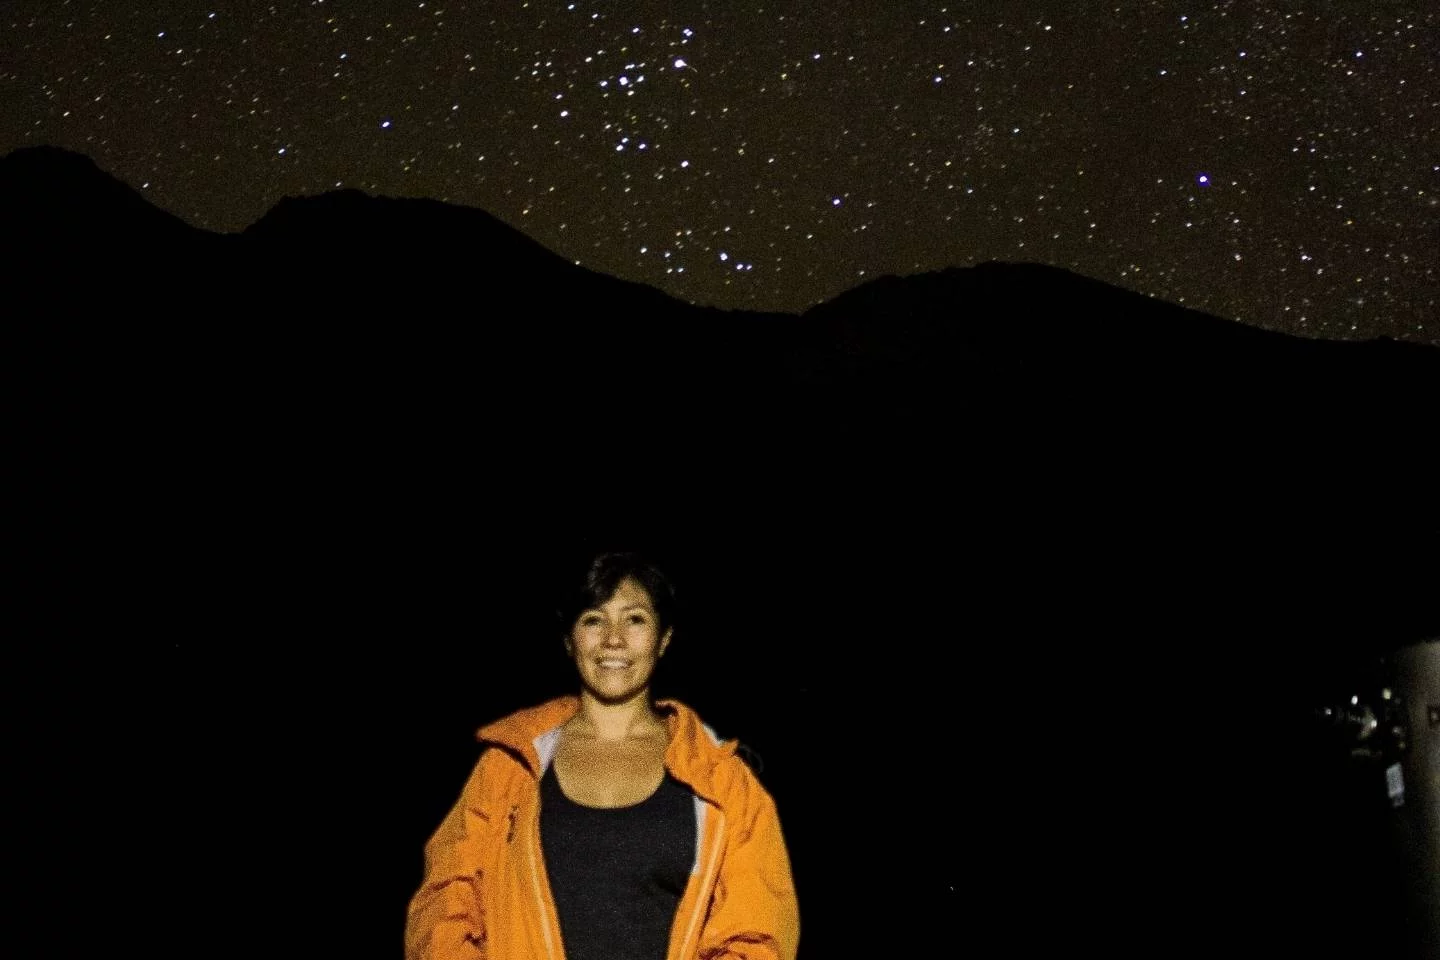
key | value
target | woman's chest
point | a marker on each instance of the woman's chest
(609, 775)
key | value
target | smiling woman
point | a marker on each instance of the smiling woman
(608, 825)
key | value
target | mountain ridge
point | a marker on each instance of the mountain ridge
(32, 180)
(989, 404)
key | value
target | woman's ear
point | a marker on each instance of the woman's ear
(665, 641)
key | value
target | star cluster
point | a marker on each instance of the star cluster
(1274, 163)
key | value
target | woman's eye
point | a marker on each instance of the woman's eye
(589, 621)
(636, 618)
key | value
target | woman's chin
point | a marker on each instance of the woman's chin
(612, 692)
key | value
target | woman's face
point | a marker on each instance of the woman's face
(616, 645)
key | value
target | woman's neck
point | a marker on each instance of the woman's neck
(627, 720)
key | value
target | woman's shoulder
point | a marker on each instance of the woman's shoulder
(519, 728)
(745, 764)
(495, 774)
(750, 757)
(511, 747)
(731, 767)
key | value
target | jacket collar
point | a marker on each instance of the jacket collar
(694, 753)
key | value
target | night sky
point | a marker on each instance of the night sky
(1275, 163)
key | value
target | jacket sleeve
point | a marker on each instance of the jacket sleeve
(753, 913)
(446, 917)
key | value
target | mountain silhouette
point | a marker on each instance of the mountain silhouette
(58, 200)
(342, 324)
(386, 253)
(347, 347)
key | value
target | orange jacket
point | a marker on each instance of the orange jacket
(486, 894)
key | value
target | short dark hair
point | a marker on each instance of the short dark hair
(603, 576)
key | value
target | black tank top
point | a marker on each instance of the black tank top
(617, 875)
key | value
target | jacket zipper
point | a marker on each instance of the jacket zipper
(535, 883)
(704, 893)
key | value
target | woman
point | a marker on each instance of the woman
(605, 826)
